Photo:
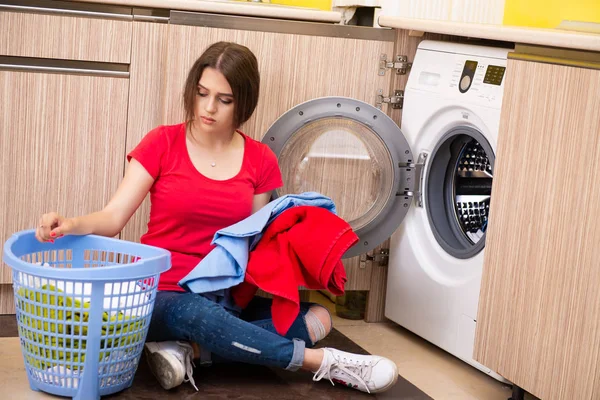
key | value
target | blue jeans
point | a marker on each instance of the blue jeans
(249, 338)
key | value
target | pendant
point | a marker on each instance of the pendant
(213, 165)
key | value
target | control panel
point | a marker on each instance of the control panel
(482, 76)
(466, 77)
(494, 75)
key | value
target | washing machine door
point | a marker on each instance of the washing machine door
(353, 153)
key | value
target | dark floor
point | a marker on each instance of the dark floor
(250, 382)
(8, 326)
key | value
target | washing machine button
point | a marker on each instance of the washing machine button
(465, 82)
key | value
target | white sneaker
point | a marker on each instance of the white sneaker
(170, 362)
(371, 374)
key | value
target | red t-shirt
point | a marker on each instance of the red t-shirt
(187, 208)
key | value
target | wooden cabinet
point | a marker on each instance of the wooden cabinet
(290, 71)
(63, 120)
(65, 37)
(539, 314)
(146, 101)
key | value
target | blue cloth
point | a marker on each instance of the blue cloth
(225, 266)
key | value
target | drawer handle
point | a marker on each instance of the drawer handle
(63, 66)
(64, 11)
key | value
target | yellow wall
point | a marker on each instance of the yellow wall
(320, 4)
(549, 13)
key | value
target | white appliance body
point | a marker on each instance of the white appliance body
(430, 292)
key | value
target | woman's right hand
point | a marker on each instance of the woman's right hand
(110, 220)
(53, 226)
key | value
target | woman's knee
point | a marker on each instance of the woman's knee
(318, 322)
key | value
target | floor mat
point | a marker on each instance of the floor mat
(250, 382)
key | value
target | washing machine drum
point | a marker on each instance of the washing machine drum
(353, 153)
(458, 191)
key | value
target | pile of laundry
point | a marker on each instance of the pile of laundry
(53, 322)
(294, 241)
(116, 368)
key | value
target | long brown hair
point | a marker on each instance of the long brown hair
(239, 66)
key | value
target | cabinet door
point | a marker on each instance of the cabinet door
(65, 37)
(62, 141)
(291, 69)
(146, 101)
(539, 312)
(292, 72)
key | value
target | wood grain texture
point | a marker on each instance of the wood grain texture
(65, 37)
(7, 299)
(358, 273)
(405, 45)
(539, 313)
(291, 72)
(62, 140)
(375, 309)
(146, 101)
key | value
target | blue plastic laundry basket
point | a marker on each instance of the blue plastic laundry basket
(83, 307)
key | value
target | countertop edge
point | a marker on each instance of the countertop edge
(246, 9)
(538, 36)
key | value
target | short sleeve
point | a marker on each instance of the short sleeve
(149, 152)
(269, 176)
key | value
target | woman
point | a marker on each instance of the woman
(204, 175)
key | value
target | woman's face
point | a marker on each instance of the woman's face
(214, 106)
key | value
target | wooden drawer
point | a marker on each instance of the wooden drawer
(65, 36)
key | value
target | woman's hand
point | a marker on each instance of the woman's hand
(53, 226)
(110, 220)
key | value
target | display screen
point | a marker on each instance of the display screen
(470, 65)
(494, 75)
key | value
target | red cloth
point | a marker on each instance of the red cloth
(187, 208)
(303, 246)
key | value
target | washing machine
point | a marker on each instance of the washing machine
(451, 117)
(427, 184)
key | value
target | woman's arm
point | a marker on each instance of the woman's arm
(260, 200)
(109, 221)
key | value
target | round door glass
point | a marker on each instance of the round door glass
(352, 153)
(343, 159)
(458, 191)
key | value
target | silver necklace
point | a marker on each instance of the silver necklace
(213, 164)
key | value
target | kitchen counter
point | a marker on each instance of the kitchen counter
(233, 8)
(537, 36)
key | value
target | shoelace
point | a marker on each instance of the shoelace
(189, 363)
(364, 370)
